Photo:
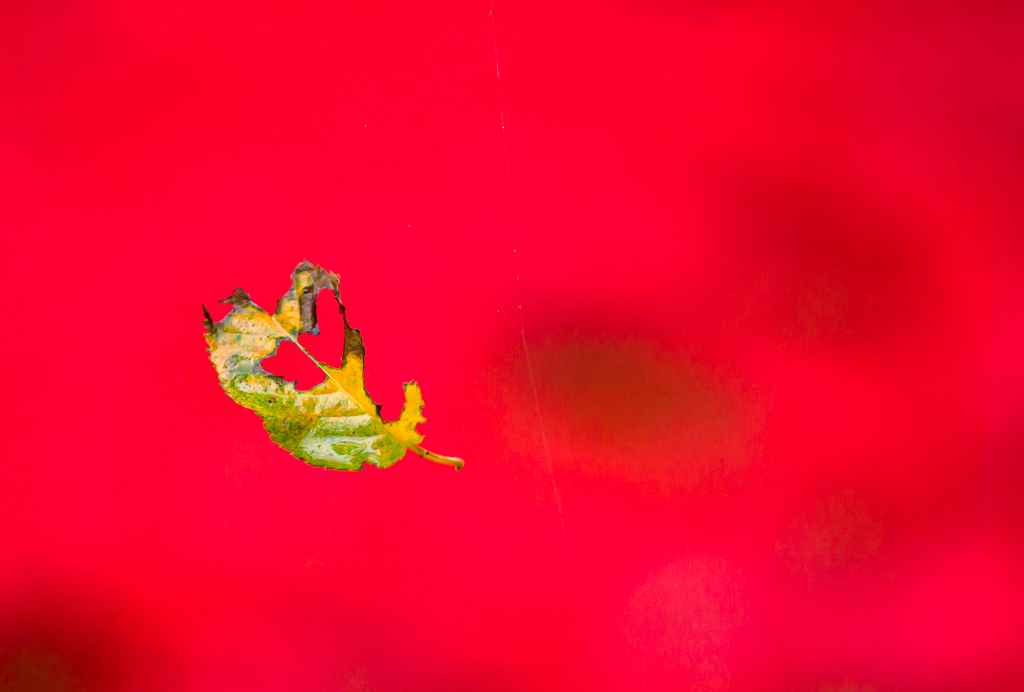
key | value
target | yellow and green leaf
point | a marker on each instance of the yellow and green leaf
(335, 424)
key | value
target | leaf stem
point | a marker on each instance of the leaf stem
(439, 458)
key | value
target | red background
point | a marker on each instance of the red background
(772, 281)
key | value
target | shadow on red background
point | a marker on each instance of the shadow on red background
(770, 261)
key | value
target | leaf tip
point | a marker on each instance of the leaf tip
(237, 297)
(208, 321)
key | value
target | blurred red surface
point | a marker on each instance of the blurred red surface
(771, 265)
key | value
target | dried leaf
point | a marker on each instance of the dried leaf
(335, 424)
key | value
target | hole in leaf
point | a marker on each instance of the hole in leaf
(294, 366)
(329, 344)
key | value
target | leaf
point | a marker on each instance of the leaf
(335, 424)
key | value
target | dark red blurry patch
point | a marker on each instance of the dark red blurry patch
(624, 408)
(56, 640)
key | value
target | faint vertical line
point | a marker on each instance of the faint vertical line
(522, 330)
(271, 144)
